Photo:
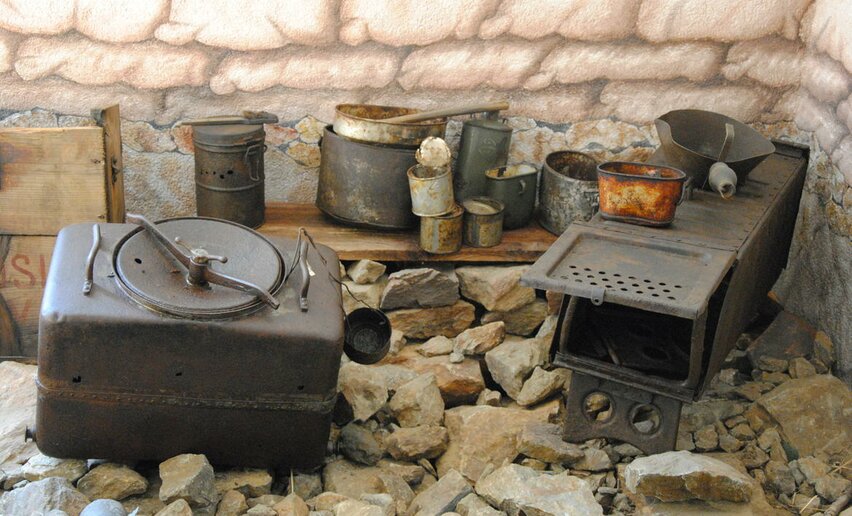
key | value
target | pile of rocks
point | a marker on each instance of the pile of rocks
(462, 417)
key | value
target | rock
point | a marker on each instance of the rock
(358, 445)
(291, 505)
(356, 296)
(814, 413)
(780, 478)
(678, 476)
(479, 340)
(420, 288)
(103, 507)
(788, 336)
(831, 487)
(418, 402)
(729, 443)
(233, 503)
(773, 378)
(411, 473)
(188, 477)
(703, 413)
(441, 497)
(483, 437)
(812, 468)
(436, 346)
(383, 501)
(364, 388)
(306, 485)
(261, 510)
(594, 460)
(824, 349)
(395, 376)
(511, 362)
(422, 323)
(268, 500)
(17, 410)
(115, 481)
(43, 495)
(771, 364)
(250, 482)
(520, 490)
(684, 442)
(41, 466)
(523, 320)
(473, 505)
(801, 368)
(753, 457)
(456, 357)
(417, 442)
(357, 508)
(459, 383)
(543, 441)
(495, 287)
(743, 432)
(363, 272)
(540, 386)
(351, 480)
(489, 397)
(753, 390)
(177, 508)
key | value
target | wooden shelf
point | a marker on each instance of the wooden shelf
(284, 220)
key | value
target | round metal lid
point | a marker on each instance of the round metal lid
(231, 134)
(156, 280)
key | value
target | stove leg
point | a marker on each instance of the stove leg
(602, 408)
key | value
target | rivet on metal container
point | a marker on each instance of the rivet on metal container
(483, 222)
(569, 190)
(442, 234)
(515, 187)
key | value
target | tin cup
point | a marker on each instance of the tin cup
(483, 222)
(442, 234)
(367, 336)
(431, 190)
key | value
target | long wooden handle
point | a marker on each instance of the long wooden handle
(454, 111)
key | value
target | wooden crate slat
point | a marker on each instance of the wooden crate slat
(24, 262)
(50, 178)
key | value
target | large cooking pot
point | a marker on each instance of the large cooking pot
(366, 123)
(569, 190)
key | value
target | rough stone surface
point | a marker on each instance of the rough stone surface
(357, 444)
(511, 362)
(523, 320)
(364, 389)
(291, 505)
(355, 295)
(419, 442)
(17, 410)
(458, 382)
(520, 490)
(188, 477)
(250, 482)
(233, 503)
(115, 481)
(41, 466)
(540, 386)
(418, 402)
(44, 495)
(594, 459)
(473, 505)
(776, 62)
(422, 323)
(436, 346)
(101, 507)
(543, 441)
(495, 287)
(180, 507)
(351, 480)
(415, 288)
(481, 339)
(365, 271)
(681, 475)
(443, 496)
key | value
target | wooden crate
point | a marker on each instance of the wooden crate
(49, 178)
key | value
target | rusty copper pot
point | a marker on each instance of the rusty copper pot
(638, 193)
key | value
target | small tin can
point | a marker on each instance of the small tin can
(483, 222)
(442, 234)
(484, 145)
(515, 187)
(431, 190)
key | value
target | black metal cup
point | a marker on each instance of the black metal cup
(367, 336)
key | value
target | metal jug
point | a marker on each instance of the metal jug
(484, 145)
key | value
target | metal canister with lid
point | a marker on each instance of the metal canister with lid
(484, 145)
(229, 175)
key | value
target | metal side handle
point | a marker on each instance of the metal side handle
(305, 272)
(90, 260)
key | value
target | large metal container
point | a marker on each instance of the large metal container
(365, 184)
(568, 191)
(639, 193)
(515, 187)
(366, 123)
(149, 365)
(484, 145)
(442, 234)
(229, 177)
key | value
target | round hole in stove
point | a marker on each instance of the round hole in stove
(645, 418)
(597, 407)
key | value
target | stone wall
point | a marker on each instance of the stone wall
(579, 74)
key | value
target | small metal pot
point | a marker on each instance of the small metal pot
(639, 193)
(442, 234)
(431, 190)
(484, 145)
(568, 191)
(515, 187)
(483, 222)
(367, 337)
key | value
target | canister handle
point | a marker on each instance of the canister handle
(684, 191)
(253, 175)
(522, 187)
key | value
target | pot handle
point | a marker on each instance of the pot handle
(522, 187)
(684, 190)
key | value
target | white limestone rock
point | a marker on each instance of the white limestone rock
(418, 402)
(188, 477)
(366, 271)
(518, 489)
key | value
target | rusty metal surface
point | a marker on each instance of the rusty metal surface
(365, 185)
(442, 234)
(363, 123)
(261, 386)
(639, 193)
(568, 191)
(484, 145)
(431, 190)
(229, 172)
(515, 187)
(692, 141)
(483, 222)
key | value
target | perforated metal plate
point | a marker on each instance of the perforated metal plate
(605, 266)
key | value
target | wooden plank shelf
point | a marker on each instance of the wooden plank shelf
(350, 243)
